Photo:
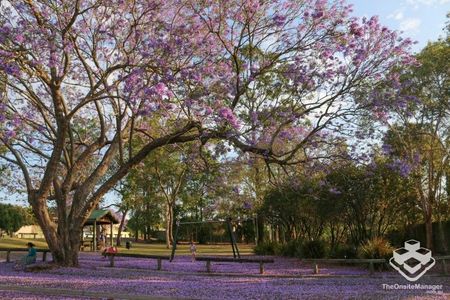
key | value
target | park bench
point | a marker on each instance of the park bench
(443, 259)
(159, 258)
(209, 259)
(9, 250)
(371, 262)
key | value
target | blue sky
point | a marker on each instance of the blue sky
(421, 20)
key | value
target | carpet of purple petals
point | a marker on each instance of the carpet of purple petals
(285, 279)
(28, 296)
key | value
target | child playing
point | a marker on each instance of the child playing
(109, 250)
(193, 250)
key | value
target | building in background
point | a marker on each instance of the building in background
(29, 232)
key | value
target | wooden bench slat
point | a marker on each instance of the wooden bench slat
(344, 260)
(159, 258)
(231, 259)
(209, 259)
(370, 261)
(9, 250)
(22, 250)
(135, 255)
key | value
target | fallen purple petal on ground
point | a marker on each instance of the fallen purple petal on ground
(285, 279)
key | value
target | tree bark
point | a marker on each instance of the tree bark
(429, 232)
(119, 231)
(66, 253)
(169, 225)
(260, 225)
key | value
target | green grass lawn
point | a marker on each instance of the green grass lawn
(143, 248)
(8, 242)
(160, 249)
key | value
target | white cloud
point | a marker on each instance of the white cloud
(397, 16)
(417, 3)
(410, 24)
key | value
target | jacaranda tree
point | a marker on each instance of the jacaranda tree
(82, 78)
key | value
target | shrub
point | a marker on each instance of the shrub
(345, 251)
(268, 248)
(314, 249)
(377, 247)
(292, 248)
(203, 235)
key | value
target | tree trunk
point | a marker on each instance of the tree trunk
(260, 225)
(429, 232)
(447, 183)
(65, 249)
(119, 231)
(169, 225)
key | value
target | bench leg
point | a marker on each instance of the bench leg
(44, 256)
(208, 266)
(261, 268)
(8, 258)
(444, 267)
(316, 269)
(159, 264)
(371, 268)
(111, 261)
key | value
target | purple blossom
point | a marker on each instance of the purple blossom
(10, 69)
(227, 114)
(20, 38)
(317, 14)
(356, 30)
(285, 134)
(161, 89)
(386, 148)
(401, 166)
(188, 102)
(416, 158)
(208, 111)
(9, 134)
(279, 20)
(16, 121)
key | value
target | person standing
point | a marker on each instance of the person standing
(193, 250)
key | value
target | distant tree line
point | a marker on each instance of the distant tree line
(13, 217)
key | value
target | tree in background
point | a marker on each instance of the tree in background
(128, 194)
(347, 205)
(13, 217)
(141, 197)
(418, 137)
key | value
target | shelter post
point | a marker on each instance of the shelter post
(94, 237)
(111, 232)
